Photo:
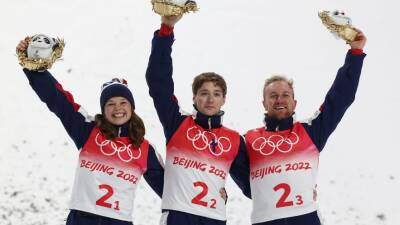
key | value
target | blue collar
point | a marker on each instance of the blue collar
(123, 130)
(208, 122)
(273, 124)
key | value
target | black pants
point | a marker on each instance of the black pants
(182, 218)
(306, 219)
(76, 217)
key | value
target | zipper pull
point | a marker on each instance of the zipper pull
(209, 123)
(213, 145)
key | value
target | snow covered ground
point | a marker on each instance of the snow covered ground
(359, 178)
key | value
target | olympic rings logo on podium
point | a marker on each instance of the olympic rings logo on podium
(124, 152)
(267, 146)
(206, 139)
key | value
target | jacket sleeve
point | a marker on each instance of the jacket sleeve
(339, 97)
(154, 174)
(161, 85)
(73, 117)
(240, 169)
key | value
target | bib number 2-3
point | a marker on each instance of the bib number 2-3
(283, 200)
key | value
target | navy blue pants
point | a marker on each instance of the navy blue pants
(76, 217)
(182, 218)
(306, 219)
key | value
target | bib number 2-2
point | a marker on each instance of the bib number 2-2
(198, 199)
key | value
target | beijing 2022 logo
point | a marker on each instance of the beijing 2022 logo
(267, 146)
(124, 152)
(202, 140)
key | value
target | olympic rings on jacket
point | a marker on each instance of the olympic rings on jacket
(124, 152)
(267, 146)
(206, 139)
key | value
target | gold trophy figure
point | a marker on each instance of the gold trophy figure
(173, 7)
(339, 24)
(41, 53)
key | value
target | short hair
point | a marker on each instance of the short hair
(217, 79)
(278, 77)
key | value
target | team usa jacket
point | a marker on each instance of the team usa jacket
(108, 171)
(200, 152)
(284, 154)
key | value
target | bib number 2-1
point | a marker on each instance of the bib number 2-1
(103, 200)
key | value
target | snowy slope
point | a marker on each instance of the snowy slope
(359, 174)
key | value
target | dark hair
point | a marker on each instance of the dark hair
(217, 79)
(136, 128)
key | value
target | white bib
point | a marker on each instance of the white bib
(107, 176)
(283, 170)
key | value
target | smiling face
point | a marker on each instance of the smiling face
(118, 110)
(279, 100)
(209, 98)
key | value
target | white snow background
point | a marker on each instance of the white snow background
(245, 41)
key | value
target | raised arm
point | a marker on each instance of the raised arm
(73, 117)
(159, 78)
(340, 96)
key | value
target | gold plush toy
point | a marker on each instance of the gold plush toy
(339, 24)
(173, 7)
(41, 53)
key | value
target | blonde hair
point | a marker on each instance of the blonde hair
(278, 77)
